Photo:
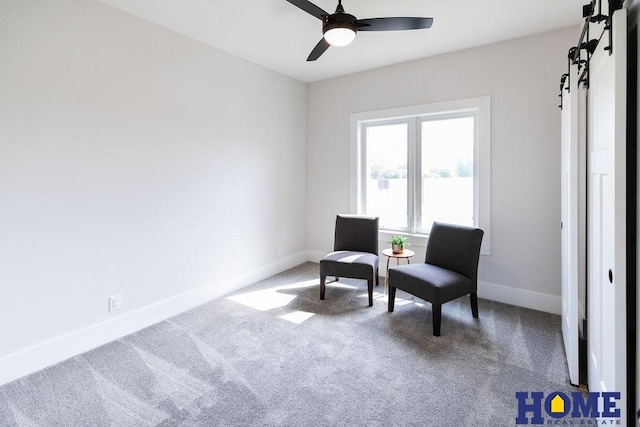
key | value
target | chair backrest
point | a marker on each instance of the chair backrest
(356, 233)
(456, 248)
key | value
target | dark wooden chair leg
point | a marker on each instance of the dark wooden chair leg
(474, 304)
(322, 286)
(377, 277)
(392, 298)
(437, 317)
(370, 290)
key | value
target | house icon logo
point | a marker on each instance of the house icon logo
(557, 405)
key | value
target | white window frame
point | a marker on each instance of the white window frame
(480, 107)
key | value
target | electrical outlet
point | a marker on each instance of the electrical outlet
(115, 303)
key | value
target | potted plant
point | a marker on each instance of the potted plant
(398, 243)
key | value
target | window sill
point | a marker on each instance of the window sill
(419, 240)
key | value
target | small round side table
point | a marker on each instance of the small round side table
(406, 254)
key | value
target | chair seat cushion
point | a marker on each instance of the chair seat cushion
(357, 265)
(429, 282)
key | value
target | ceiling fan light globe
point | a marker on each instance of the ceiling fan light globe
(339, 36)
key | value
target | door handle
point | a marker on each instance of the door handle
(610, 276)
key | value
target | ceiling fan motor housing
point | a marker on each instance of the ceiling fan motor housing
(340, 20)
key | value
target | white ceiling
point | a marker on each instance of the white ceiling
(279, 36)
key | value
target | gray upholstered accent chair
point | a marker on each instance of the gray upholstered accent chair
(449, 272)
(355, 252)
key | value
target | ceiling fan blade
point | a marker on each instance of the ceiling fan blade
(317, 51)
(394, 24)
(310, 8)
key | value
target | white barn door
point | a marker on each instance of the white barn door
(572, 215)
(606, 259)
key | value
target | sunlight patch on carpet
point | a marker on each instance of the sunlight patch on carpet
(268, 299)
(340, 285)
(297, 317)
(398, 301)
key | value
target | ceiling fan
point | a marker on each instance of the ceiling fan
(340, 28)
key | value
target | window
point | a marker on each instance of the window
(385, 182)
(416, 165)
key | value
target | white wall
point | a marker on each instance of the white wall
(133, 161)
(522, 77)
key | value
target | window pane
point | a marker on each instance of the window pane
(447, 171)
(386, 174)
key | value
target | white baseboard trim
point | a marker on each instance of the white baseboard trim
(40, 356)
(315, 256)
(520, 297)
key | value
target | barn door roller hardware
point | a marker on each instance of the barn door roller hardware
(588, 44)
(562, 80)
(613, 6)
(588, 10)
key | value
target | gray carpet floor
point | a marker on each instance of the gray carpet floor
(273, 354)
